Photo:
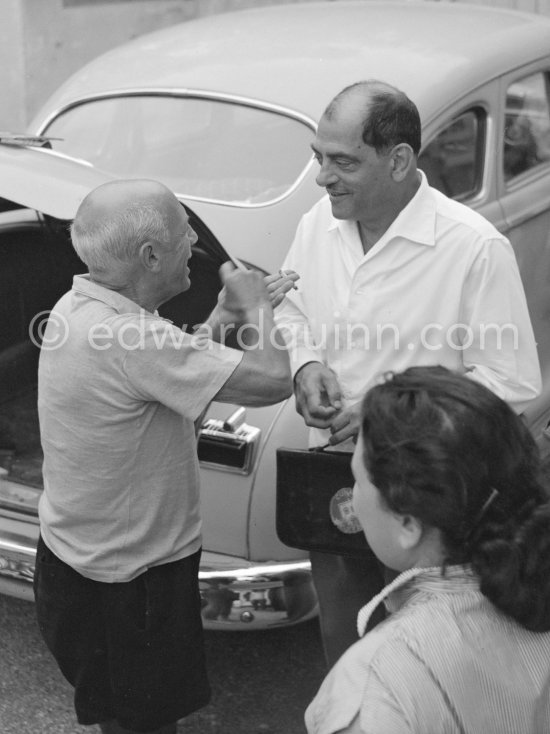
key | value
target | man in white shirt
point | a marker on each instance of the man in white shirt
(393, 274)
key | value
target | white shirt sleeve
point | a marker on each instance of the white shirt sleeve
(499, 348)
(291, 315)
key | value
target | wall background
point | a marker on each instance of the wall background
(42, 42)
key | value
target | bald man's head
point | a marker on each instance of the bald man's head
(116, 218)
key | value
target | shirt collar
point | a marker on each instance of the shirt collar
(416, 222)
(434, 580)
(121, 304)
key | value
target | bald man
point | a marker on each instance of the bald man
(393, 274)
(116, 581)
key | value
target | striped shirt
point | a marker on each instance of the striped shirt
(445, 661)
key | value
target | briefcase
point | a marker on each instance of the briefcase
(314, 509)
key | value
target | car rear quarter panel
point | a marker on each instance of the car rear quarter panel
(260, 235)
(239, 510)
(288, 430)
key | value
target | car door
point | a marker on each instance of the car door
(524, 188)
(491, 151)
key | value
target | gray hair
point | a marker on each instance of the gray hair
(117, 239)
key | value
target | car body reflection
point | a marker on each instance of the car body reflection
(259, 601)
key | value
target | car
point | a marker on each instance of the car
(223, 110)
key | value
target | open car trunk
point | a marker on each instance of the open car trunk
(37, 263)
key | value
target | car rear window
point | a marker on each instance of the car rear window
(200, 147)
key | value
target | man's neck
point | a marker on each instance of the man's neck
(370, 231)
(368, 237)
(131, 291)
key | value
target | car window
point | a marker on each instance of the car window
(453, 160)
(199, 147)
(526, 124)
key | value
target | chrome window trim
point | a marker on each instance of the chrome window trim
(207, 95)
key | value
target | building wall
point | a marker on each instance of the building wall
(12, 66)
(42, 42)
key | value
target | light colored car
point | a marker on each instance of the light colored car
(223, 110)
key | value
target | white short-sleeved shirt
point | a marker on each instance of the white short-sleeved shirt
(118, 391)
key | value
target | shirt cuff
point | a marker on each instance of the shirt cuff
(301, 356)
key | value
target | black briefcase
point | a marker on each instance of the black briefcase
(314, 502)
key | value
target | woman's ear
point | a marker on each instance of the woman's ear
(410, 532)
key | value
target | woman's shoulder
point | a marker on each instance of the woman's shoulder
(361, 687)
(342, 693)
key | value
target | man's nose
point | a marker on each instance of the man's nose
(326, 176)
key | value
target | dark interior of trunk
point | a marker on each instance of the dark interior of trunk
(37, 264)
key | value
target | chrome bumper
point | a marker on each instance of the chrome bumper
(235, 594)
(17, 558)
(240, 595)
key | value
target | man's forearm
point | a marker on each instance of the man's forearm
(214, 328)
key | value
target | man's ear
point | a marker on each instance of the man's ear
(148, 256)
(410, 533)
(401, 160)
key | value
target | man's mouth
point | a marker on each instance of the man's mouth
(336, 194)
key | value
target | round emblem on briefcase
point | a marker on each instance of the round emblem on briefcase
(342, 513)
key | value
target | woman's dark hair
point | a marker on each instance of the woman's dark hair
(437, 445)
